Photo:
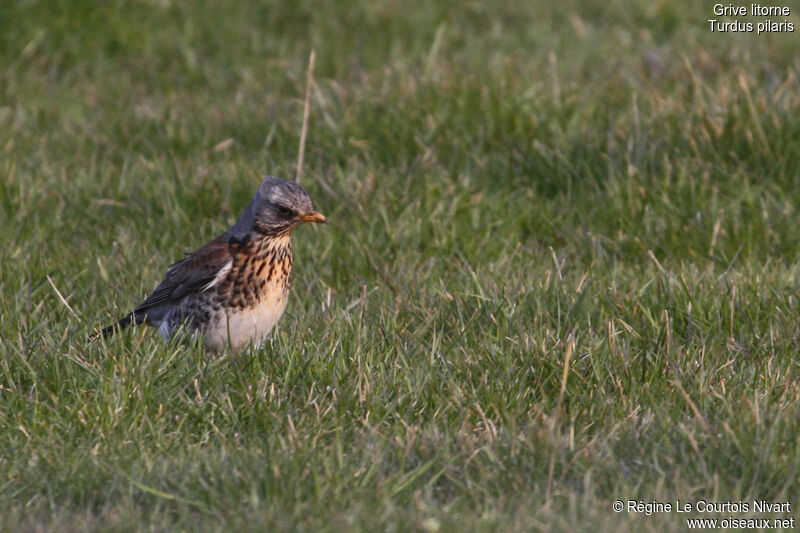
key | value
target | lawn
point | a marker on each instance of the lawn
(561, 270)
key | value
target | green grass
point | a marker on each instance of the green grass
(562, 267)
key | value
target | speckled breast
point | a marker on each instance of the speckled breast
(245, 306)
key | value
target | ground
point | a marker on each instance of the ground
(561, 269)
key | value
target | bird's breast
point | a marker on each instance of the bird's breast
(253, 297)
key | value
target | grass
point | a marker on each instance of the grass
(562, 267)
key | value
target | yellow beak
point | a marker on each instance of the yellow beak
(314, 217)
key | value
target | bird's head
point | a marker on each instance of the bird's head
(278, 207)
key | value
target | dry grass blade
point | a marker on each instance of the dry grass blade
(61, 297)
(306, 111)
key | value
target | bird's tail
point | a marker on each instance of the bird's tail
(122, 323)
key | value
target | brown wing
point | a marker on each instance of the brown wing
(196, 272)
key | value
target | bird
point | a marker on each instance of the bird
(233, 289)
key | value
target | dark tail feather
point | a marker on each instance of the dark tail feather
(121, 324)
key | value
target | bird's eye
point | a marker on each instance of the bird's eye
(284, 211)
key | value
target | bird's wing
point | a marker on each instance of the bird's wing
(197, 272)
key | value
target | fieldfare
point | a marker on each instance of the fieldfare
(233, 289)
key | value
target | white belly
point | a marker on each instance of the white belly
(238, 328)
